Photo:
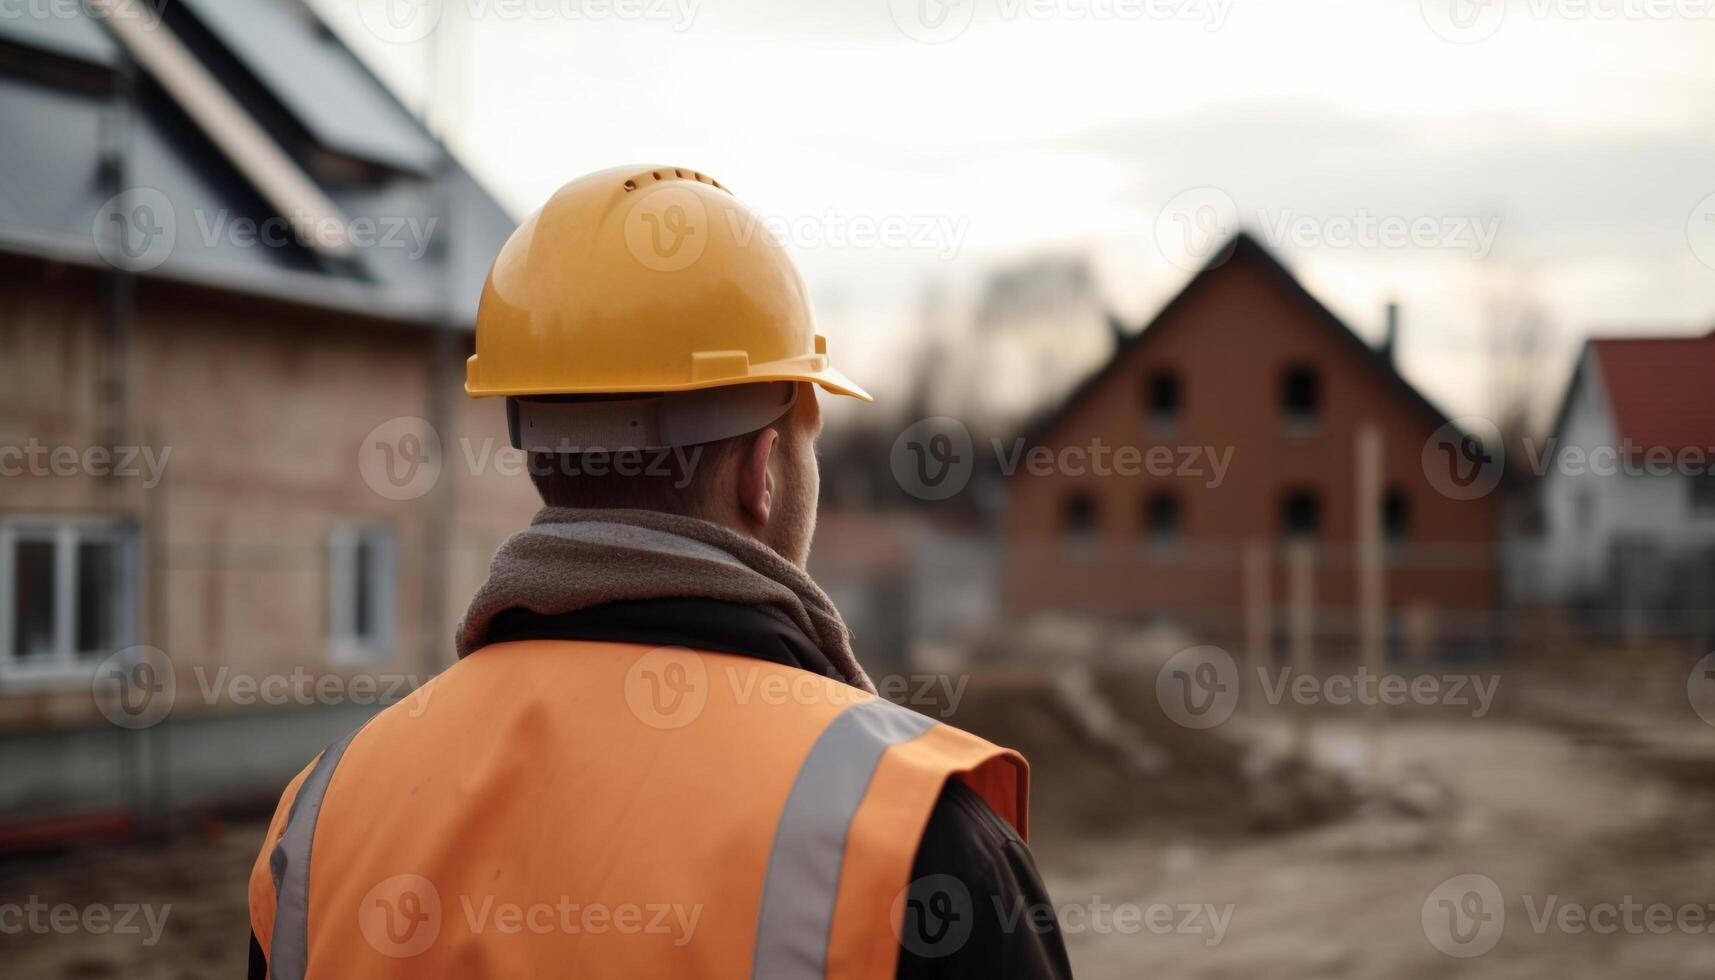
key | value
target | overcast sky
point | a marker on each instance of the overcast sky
(1445, 153)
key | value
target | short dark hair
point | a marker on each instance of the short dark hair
(674, 481)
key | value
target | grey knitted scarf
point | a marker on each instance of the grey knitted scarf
(568, 560)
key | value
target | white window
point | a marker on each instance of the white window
(68, 594)
(362, 593)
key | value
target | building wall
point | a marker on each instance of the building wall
(263, 412)
(1577, 510)
(1587, 511)
(1230, 339)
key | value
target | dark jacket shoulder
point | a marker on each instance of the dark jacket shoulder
(977, 906)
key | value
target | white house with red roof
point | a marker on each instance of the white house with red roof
(1627, 487)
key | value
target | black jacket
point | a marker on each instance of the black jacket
(976, 906)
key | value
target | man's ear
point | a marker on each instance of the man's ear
(755, 483)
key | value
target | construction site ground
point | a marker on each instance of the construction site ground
(1553, 801)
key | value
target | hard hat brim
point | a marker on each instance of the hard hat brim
(833, 381)
(826, 377)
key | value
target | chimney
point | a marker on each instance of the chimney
(1117, 331)
(1390, 334)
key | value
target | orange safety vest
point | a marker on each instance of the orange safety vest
(553, 808)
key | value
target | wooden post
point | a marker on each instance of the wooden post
(1372, 612)
(1259, 620)
(1301, 626)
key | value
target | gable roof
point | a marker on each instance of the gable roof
(298, 118)
(1660, 390)
(1242, 248)
(319, 82)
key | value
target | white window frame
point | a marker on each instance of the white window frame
(345, 646)
(66, 532)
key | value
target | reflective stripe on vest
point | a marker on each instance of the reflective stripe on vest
(466, 793)
(798, 895)
(290, 865)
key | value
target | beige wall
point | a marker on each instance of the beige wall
(264, 410)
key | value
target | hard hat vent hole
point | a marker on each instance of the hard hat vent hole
(656, 174)
(631, 185)
(679, 173)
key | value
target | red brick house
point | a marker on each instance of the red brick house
(1238, 409)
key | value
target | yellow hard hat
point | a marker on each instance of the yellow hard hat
(641, 280)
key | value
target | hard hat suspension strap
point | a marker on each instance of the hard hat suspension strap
(572, 426)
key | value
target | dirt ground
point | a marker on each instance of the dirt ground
(194, 886)
(1581, 808)
(1582, 815)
